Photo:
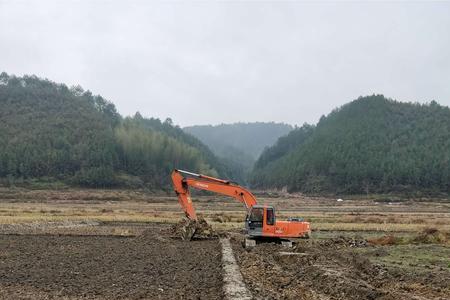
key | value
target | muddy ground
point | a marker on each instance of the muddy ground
(93, 244)
(154, 264)
(150, 266)
(336, 268)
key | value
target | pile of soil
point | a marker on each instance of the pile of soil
(384, 240)
(188, 229)
(153, 266)
(329, 269)
(432, 236)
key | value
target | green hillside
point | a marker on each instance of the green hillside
(372, 144)
(49, 131)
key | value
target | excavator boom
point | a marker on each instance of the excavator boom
(202, 182)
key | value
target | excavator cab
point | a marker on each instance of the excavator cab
(261, 222)
(260, 219)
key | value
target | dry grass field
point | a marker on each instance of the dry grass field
(18, 206)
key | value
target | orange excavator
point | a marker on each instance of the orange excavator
(260, 222)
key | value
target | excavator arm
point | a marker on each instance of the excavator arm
(182, 183)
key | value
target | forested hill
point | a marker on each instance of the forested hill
(49, 131)
(370, 145)
(239, 144)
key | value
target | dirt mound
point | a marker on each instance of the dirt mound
(432, 236)
(149, 235)
(189, 229)
(384, 240)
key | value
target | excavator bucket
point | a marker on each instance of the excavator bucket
(188, 229)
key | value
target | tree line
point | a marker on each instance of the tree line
(52, 132)
(49, 130)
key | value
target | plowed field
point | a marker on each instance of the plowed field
(149, 266)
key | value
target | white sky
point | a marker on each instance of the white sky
(202, 62)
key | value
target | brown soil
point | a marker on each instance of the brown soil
(150, 266)
(332, 269)
(53, 263)
(188, 229)
(384, 240)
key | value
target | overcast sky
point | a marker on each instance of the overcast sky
(220, 62)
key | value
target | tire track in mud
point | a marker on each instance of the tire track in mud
(234, 286)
